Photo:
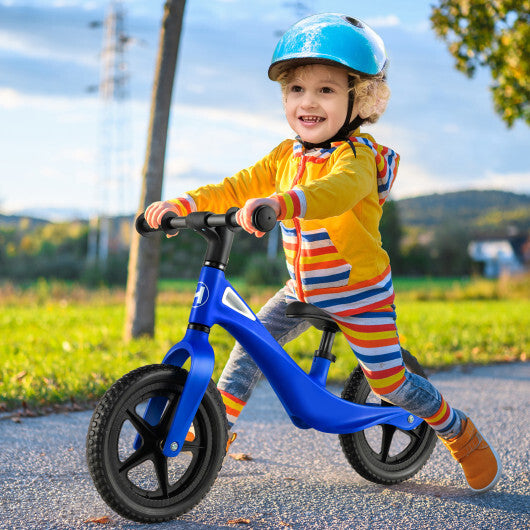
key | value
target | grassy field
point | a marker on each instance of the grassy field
(62, 344)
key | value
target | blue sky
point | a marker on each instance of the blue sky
(226, 114)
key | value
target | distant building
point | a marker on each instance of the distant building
(498, 255)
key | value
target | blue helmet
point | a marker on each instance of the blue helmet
(330, 38)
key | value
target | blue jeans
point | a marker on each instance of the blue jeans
(240, 375)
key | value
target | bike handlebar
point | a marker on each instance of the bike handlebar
(263, 219)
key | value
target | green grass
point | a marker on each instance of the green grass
(64, 343)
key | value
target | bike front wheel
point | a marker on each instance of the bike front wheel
(124, 451)
(385, 454)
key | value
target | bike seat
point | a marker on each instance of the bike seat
(315, 316)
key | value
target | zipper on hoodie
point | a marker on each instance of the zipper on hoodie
(297, 178)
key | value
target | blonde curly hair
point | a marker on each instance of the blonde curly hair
(371, 94)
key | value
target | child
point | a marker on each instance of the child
(327, 187)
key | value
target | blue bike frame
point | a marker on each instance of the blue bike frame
(304, 396)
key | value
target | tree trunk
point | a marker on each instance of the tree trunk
(145, 252)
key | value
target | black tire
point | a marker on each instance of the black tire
(385, 454)
(142, 484)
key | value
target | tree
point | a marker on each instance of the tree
(391, 233)
(493, 34)
(449, 252)
(145, 252)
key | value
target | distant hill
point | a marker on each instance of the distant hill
(21, 221)
(480, 210)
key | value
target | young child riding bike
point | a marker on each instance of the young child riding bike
(328, 187)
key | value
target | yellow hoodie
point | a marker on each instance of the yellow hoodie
(331, 207)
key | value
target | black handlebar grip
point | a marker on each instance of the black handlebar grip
(264, 218)
(142, 227)
(169, 223)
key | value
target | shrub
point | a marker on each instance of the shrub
(263, 271)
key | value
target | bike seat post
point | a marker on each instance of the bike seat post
(323, 358)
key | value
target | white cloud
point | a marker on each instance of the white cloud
(228, 117)
(13, 99)
(196, 88)
(421, 27)
(84, 155)
(451, 128)
(401, 139)
(177, 166)
(26, 45)
(518, 182)
(10, 99)
(388, 21)
(414, 179)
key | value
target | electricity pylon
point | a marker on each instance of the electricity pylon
(113, 173)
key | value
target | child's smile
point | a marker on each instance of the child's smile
(311, 119)
(316, 102)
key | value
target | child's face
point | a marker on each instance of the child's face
(316, 102)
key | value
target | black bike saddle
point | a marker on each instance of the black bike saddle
(315, 316)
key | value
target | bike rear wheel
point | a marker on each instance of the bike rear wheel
(136, 479)
(385, 454)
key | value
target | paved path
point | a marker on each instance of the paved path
(297, 479)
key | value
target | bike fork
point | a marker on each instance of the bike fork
(194, 345)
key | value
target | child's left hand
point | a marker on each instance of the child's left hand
(244, 215)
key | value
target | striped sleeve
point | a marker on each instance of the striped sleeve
(186, 204)
(292, 204)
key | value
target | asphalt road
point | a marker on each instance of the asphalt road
(297, 479)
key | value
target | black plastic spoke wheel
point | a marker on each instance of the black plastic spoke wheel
(384, 453)
(124, 450)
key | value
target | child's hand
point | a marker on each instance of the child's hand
(155, 211)
(244, 215)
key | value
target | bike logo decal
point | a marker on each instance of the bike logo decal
(201, 295)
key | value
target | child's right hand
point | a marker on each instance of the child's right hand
(155, 211)
(244, 215)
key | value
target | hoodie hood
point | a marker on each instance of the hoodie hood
(386, 161)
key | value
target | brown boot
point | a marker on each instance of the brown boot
(481, 464)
